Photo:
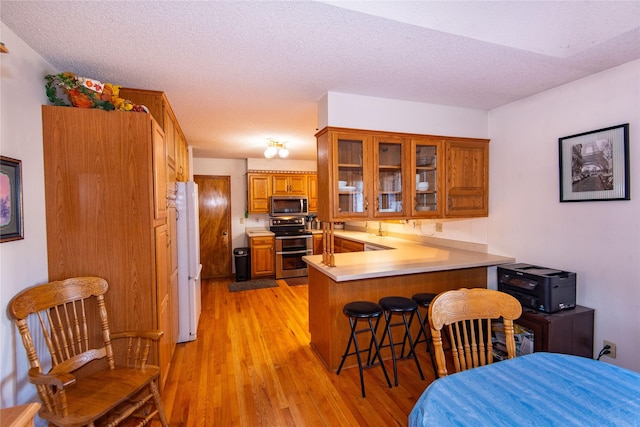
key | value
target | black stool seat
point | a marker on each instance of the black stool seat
(363, 310)
(398, 304)
(424, 299)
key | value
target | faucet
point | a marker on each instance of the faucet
(379, 228)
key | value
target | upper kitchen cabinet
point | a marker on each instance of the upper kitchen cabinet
(106, 215)
(312, 192)
(425, 178)
(345, 184)
(261, 185)
(390, 157)
(289, 185)
(259, 191)
(160, 109)
(467, 178)
(383, 175)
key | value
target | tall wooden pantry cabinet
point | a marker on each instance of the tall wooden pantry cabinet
(106, 206)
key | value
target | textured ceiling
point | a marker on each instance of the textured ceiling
(238, 73)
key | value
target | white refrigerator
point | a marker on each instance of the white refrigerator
(189, 267)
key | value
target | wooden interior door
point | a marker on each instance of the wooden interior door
(214, 201)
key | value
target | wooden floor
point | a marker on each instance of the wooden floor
(252, 365)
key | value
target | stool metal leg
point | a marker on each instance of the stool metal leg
(411, 345)
(351, 338)
(427, 339)
(353, 321)
(388, 316)
(377, 345)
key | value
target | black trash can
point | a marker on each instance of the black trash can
(243, 264)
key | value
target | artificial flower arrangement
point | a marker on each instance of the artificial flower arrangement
(83, 92)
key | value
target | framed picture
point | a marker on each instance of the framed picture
(594, 165)
(11, 227)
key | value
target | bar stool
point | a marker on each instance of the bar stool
(363, 310)
(424, 300)
(404, 307)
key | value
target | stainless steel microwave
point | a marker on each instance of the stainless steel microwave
(289, 206)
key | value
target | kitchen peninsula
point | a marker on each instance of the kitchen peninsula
(404, 269)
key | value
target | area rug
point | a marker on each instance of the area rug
(252, 284)
(297, 281)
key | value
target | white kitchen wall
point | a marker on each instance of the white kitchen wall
(23, 263)
(282, 165)
(600, 241)
(366, 112)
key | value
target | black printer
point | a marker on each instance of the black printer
(540, 288)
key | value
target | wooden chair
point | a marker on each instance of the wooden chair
(84, 385)
(468, 313)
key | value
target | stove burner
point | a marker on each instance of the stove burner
(288, 226)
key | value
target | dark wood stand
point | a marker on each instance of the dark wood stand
(568, 331)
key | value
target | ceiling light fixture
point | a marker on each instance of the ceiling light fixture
(276, 148)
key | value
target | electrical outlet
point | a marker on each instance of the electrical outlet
(241, 220)
(439, 227)
(612, 349)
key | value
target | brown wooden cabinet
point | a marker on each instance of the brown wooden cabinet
(160, 109)
(345, 177)
(390, 176)
(289, 185)
(262, 256)
(259, 191)
(374, 175)
(425, 178)
(467, 178)
(342, 245)
(312, 192)
(318, 246)
(106, 210)
(567, 331)
(261, 185)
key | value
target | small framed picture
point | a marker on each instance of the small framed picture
(11, 227)
(594, 165)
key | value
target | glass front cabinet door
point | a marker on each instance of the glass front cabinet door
(426, 178)
(389, 160)
(351, 169)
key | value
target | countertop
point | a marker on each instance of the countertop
(403, 257)
(258, 232)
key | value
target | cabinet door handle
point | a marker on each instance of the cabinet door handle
(366, 203)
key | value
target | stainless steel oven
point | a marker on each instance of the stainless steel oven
(289, 253)
(292, 243)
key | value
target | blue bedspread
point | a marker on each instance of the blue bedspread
(540, 389)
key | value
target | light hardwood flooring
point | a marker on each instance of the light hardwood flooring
(252, 365)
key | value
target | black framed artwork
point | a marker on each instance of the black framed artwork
(594, 166)
(11, 221)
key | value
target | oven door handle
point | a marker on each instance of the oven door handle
(304, 251)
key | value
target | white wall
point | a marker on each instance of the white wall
(282, 165)
(23, 263)
(366, 112)
(600, 241)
